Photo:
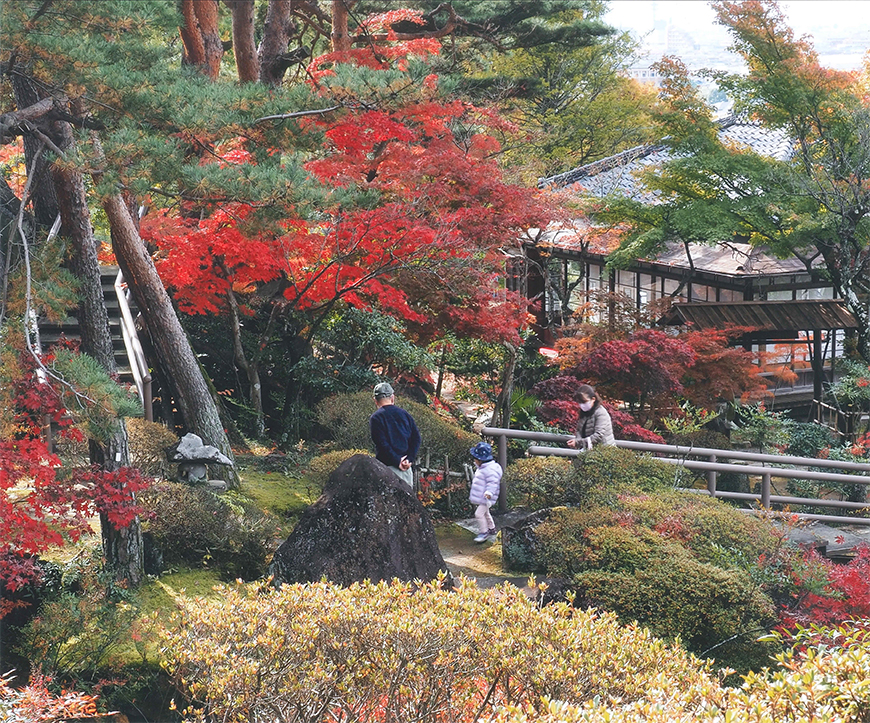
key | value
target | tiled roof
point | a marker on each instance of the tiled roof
(770, 316)
(619, 173)
(732, 259)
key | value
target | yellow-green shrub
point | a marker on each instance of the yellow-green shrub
(148, 443)
(346, 417)
(400, 652)
(816, 685)
(320, 467)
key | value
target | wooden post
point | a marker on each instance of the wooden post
(502, 460)
(765, 491)
(447, 480)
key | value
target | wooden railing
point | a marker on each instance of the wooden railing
(766, 467)
(138, 364)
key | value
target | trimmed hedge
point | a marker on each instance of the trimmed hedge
(346, 417)
(194, 526)
(404, 651)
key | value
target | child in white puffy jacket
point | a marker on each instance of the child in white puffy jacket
(485, 487)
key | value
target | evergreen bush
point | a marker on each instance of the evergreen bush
(538, 482)
(607, 471)
(323, 465)
(194, 526)
(346, 417)
(644, 576)
(404, 651)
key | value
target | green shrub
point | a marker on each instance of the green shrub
(195, 526)
(597, 475)
(711, 529)
(320, 467)
(346, 417)
(82, 624)
(405, 651)
(607, 471)
(148, 442)
(538, 482)
(640, 562)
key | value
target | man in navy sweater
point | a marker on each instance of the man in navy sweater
(395, 434)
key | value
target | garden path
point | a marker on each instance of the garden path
(482, 562)
(836, 543)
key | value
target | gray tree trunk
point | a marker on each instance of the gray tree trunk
(198, 409)
(122, 548)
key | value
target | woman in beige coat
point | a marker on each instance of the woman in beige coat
(594, 425)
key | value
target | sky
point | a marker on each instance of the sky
(824, 20)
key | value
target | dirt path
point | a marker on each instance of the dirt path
(479, 561)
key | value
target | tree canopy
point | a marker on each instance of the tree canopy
(811, 205)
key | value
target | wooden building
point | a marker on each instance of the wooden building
(791, 307)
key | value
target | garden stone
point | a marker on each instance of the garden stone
(367, 525)
(519, 543)
(193, 457)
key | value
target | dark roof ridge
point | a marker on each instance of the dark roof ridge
(632, 154)
(603, 164)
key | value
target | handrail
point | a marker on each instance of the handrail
(138, 364)
(679, 457)
(682, 451)
(725, 467)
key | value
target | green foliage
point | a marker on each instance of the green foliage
(82, 626)
(852, 386)
(761, 428)
(596, 476)
(807, 439)
(711, 529)
(367, 339)
(538, 482)
(346, 417)
(405, 651)
(320, 467)
(612, 470)
(98, 400)
(690, 422)
(194, 526)
(644, 574)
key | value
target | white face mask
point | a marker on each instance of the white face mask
(586, 406)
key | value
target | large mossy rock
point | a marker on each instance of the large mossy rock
(367, 525)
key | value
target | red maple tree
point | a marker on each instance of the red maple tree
(42, 505)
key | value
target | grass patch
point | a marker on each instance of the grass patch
(156, 601)
(277, 492)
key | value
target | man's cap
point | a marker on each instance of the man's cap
(383, 390)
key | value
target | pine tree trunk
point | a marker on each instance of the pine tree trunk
(340, 31)
(200, 34)
(244, 47)
(45, 208)
(198, 408)
(274, 42)
(122, 548)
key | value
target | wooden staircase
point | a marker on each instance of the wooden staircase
(129, 358)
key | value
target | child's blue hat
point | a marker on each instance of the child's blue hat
(481, 452)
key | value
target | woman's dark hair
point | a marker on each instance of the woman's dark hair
(588, 391)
